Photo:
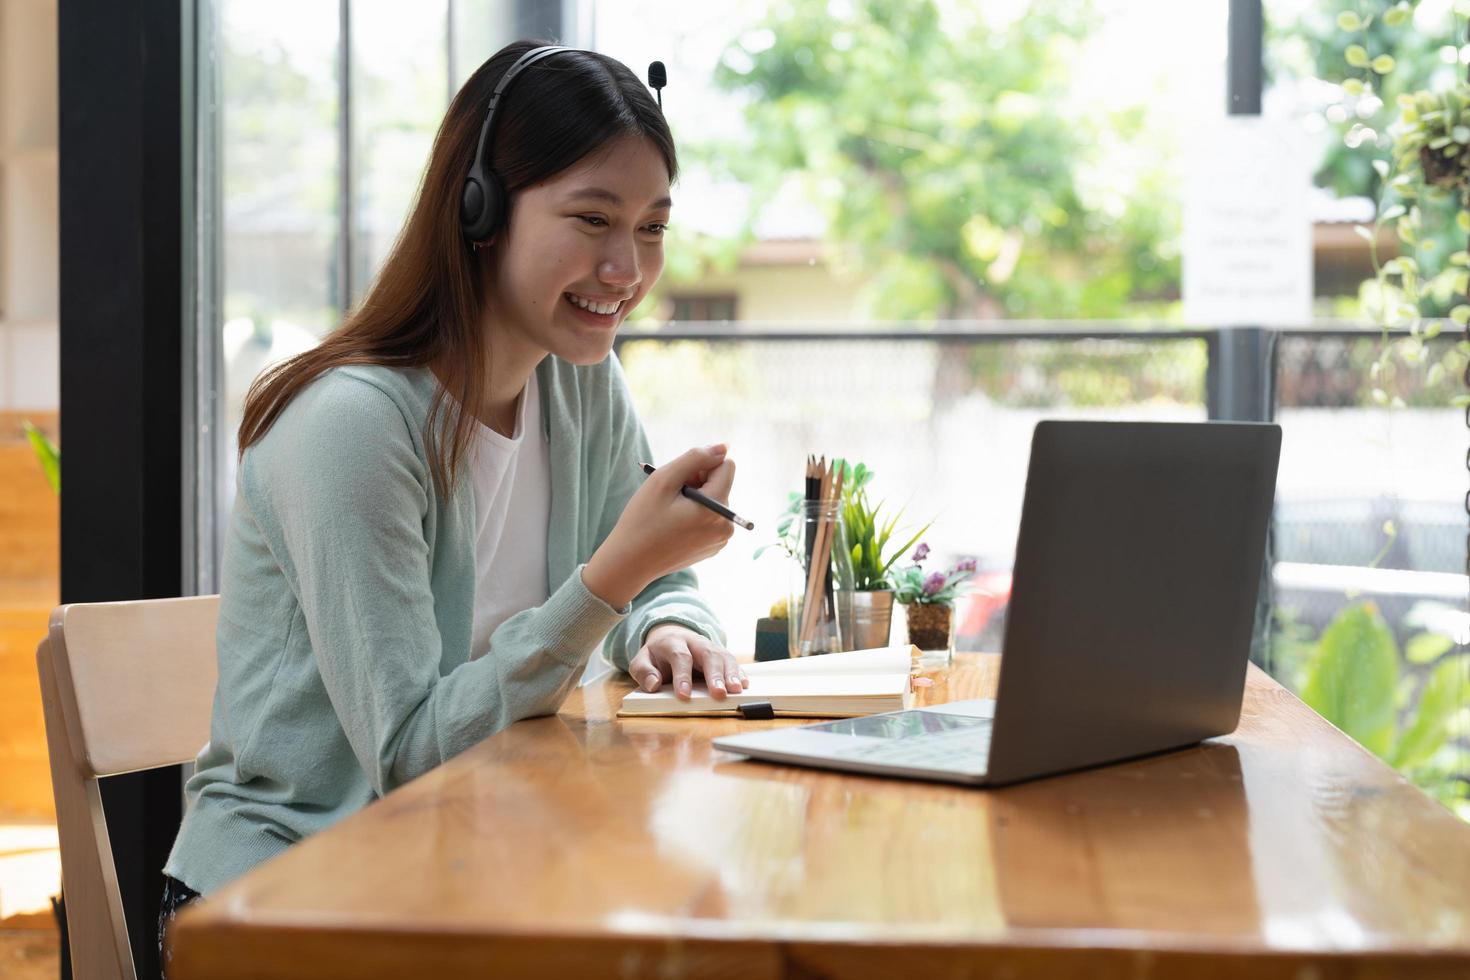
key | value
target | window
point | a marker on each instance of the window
(910, 229)
(313, 144)
(927, 211)
(929, 173)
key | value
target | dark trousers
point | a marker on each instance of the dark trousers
(176, 895)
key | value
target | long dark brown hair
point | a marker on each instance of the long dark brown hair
(426, 304)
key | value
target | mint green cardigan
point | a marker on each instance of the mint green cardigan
(347, 594)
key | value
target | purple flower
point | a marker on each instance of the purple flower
(920, 553)
(968, 565)
(934, 583)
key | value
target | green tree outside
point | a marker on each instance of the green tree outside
(945, 153)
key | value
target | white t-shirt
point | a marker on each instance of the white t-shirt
(512, 484)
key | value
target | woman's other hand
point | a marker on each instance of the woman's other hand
(673, 654)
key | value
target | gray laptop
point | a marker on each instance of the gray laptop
(1133, 603)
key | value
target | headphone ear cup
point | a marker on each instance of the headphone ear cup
(471, 204)
(494, 212)
(480, 207)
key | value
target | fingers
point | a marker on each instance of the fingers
(735, 680)
(674, 653)
(691, 464)
(719, 480)
(681, 668)
(722, 674)
(712, 666)
(644, 673)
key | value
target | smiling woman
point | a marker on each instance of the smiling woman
(585, 245)
(439, 513)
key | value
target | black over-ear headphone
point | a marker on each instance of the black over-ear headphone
(482, 204)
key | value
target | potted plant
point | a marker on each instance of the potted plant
(929, 598)
(867, 608)
(1417, 140)
(872, 559)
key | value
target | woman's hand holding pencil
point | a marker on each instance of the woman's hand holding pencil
(661, 530)
(706, 502)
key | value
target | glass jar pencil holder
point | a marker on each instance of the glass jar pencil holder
(820, 613)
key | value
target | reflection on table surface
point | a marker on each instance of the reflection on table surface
(1282, 837)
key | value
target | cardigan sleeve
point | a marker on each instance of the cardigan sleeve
(674, 598)
(348, 493)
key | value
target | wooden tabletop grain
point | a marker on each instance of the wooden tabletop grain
(584, 845)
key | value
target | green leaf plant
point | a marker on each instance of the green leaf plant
(1353, 679)
(1423, 196)
(47, 454)
(867, 529)
(783, 527)
(1421, 157)
(869, 532)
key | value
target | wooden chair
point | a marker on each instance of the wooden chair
(124, 686)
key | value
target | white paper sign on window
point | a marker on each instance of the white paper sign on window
(1247, 225)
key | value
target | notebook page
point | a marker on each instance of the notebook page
(785, 693)
(882, 660)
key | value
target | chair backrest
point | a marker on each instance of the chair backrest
(125, 686)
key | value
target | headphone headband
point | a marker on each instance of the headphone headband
(481, 202)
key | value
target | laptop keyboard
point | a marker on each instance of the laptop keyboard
(967, 750)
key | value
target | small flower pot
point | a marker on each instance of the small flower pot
(1440, 170)
(931, 629)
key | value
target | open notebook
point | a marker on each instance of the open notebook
(834, 685)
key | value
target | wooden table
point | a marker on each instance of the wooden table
(583, 846)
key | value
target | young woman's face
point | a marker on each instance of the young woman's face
(592, 235)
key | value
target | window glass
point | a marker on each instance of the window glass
(1370, 583)
(399, 94)
(897, 168)
(277, 156)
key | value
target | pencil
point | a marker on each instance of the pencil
(713, 505)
